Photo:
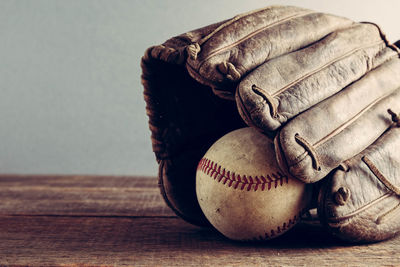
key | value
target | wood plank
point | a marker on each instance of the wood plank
(81, 196)
(166, 241)
(108, 221)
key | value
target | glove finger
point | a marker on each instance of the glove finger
(317, 140)
(360, 202)
(288, 85)
(246, 41)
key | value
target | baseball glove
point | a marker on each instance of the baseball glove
(318, 84)
(359, 201)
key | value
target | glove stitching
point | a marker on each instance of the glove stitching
(380, 176)
(229, 22)
(311, 149)
(388, 215)
(248, 36)
(333, 61)
(359, 210)
(350, 121)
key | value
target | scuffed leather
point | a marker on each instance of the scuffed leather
(341, 126)
(371, 212)
(248, 40)
(188, 78)
(301, 79)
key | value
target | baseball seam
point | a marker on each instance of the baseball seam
(242, 182)
(279, 229)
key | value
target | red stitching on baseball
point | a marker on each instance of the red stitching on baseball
(279, 229)
(231, 179)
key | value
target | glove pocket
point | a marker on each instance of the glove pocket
(360, 201)
(185, 119)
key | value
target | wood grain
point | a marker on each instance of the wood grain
(81, 196)
(107, 221)
(43, 240)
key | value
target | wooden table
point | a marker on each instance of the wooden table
(122, 221)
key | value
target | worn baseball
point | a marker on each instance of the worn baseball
(242, 191)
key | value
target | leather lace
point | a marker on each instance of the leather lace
(268, 98)
(310, 149)
(380, 176)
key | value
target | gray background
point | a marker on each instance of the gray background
(70, 94)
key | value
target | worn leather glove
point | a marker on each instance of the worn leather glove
(317, 83)
(360, 201)
(190, 82)
(342, 85)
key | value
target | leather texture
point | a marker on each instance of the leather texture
(318, 84)
(360, 201)
(243, 43)
(332, 85)
(190, 82)
(282, 88)
(319, 139)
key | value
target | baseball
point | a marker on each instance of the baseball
(243, 193)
